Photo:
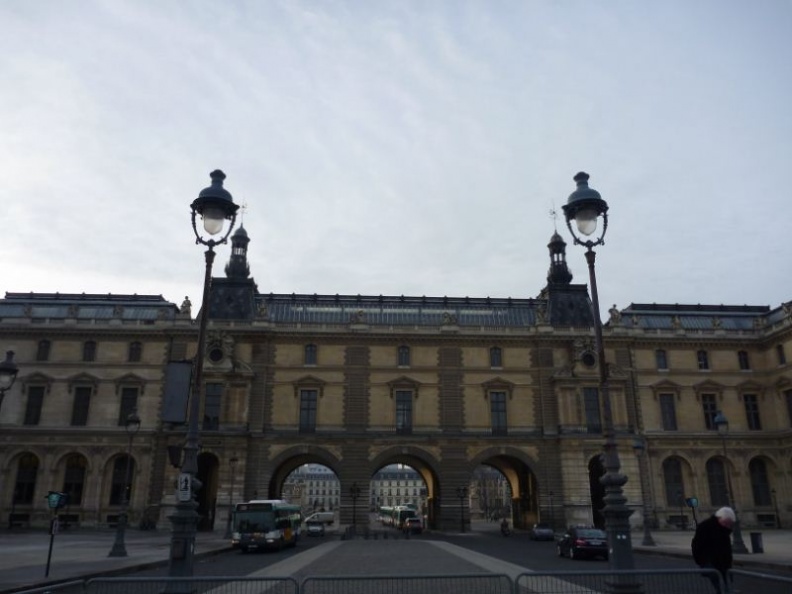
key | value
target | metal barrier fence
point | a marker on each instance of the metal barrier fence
(192, 585)
(668, 581)
(484, 583)
(769, 584)
(661, 581)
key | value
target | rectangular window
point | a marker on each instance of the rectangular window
(710, 408)
(80, 406)
(661, 359)
(308, 401)
(135, 352)
(498, 412)
(129, 397)
(780, 354)
(214, 396)
(668, 411)
(89, 351)
(752, 412)
(742, 358)
(35, 401)
(310, 354)
(703, 360)
(591, 405)
(404, 400)
(43, 351)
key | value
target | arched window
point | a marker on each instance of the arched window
(496, 357)
(43, 351)
(25, 486)
(716, 478)
(404, 356)
(310, 354)
(674, 482)
(74, 478)
(760, 484)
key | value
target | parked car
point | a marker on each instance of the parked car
(314, 529)
(542, 531)
(413, 525)
(579, 542)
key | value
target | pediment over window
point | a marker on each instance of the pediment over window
(782, 383)
(308, 382)
(708, 386)
(750, 387)
(130, 379)
(37, 379)
(498, 384)
(83, 379)
(666, 386)
(404, 383)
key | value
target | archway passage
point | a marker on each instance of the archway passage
(208, 475)
(513, 488)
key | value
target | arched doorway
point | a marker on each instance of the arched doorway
(208, 466)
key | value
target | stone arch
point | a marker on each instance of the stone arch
(520, 470)
(292, 458)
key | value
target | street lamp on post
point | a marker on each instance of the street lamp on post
(8, 374)
(585, 207)
(462, 493)
(132, 425)
(214, 206)
(354, 493)
(232, 462)
(775, 507)
(722, 424)
(639, 445)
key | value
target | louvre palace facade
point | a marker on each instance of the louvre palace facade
(356, 383)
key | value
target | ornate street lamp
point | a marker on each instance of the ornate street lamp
(132, 426)
(8, 374)
(639, 445)
(232, 462)
(214, 206)
(585, 207)
(722, 424)
(462, 493)
(354, 493)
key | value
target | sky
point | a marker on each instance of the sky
(398, 147)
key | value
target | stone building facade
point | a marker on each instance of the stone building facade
(359, 383)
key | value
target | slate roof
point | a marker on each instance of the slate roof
(698, 317)
(86, 306)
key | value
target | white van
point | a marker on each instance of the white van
(326, 517)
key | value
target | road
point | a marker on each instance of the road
(517, 549)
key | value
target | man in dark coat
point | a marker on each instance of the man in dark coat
(711, 544)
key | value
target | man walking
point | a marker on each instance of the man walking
(712, 544)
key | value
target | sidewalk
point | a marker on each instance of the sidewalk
(83, 553)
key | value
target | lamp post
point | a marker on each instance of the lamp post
(682, 518)
(585, 206)
(775, 507)
(639, 445)
(552, 511)
(232, 462)
(722, 424)
(354, 493)
(132, 426)
(214, 205)
(8, 373)
(462, 493)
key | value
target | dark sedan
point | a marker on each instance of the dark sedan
(579, 543)
(542, 531)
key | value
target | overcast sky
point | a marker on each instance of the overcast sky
(397, 147)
